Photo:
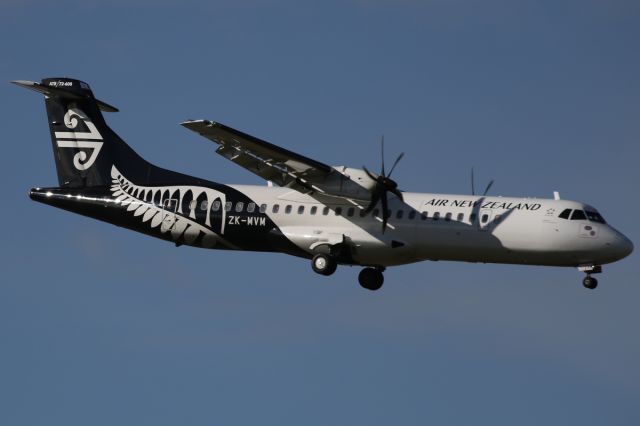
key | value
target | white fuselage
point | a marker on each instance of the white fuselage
(444, 227)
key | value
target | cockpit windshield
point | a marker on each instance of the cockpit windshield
(591, 215)
(594, 216)
(578, 215)
(565, 214)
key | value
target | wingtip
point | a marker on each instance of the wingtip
(24, 83)
(191, 121)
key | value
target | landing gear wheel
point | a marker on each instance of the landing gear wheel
(590, 282)
(323, 264)
(371, 278)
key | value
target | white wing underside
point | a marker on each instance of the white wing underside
(283, 167)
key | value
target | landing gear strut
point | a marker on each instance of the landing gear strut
(371, 278)
(323, 264)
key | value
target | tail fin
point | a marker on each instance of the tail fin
(84, 147)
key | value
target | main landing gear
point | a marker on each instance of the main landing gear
(369, 278)
(588, 281)
(323, 264)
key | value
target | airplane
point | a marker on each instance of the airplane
(329, 215)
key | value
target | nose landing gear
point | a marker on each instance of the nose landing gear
(588, 281)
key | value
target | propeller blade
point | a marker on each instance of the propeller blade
(396, 163)
(397, 193)
(382, 154)
(385, 211)
(369, 173)
(383, 185)
(375, 197)
(487, 189)
(473, 187)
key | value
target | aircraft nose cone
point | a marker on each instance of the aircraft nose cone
(621, 246)
(626, 246)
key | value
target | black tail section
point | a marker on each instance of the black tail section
(84, 147)
(101, 177)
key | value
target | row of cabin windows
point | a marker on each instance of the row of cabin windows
(350, 212)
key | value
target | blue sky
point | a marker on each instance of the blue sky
(103, 326)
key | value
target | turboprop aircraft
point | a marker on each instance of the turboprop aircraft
(330, 215)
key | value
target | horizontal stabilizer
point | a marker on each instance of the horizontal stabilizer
(62, 92)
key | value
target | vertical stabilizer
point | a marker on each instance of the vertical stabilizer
(84, 147)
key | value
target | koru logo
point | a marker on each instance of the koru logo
(91, 140)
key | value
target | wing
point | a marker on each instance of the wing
(279, 165)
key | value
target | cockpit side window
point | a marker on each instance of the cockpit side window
(565, 214)
(578, 215)
(594, 216)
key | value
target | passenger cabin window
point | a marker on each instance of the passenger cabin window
(424, 215)
(472, 217)
(497, 219)
(578, 215)
(287, 209)
(447, 217)
(351, 211)
(412, 214)
(338, 211)
(399, 214)
(275, 208)
(565, 214)
(239, 206)
(227, 206)
(300, 209)
(251, 207)
(263, 208)
(594, 216)
(485, 218)
(436, 216)
(325, 211)
(215, 206)
(313, 210)
(204, 205)
(460, 217)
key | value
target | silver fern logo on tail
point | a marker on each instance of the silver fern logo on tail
(174, 209)
(83, 141)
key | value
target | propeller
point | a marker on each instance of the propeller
(384, 184)
(473, 189)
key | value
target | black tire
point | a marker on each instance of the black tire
(371, 279)
(590, 282)
(323, 264)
